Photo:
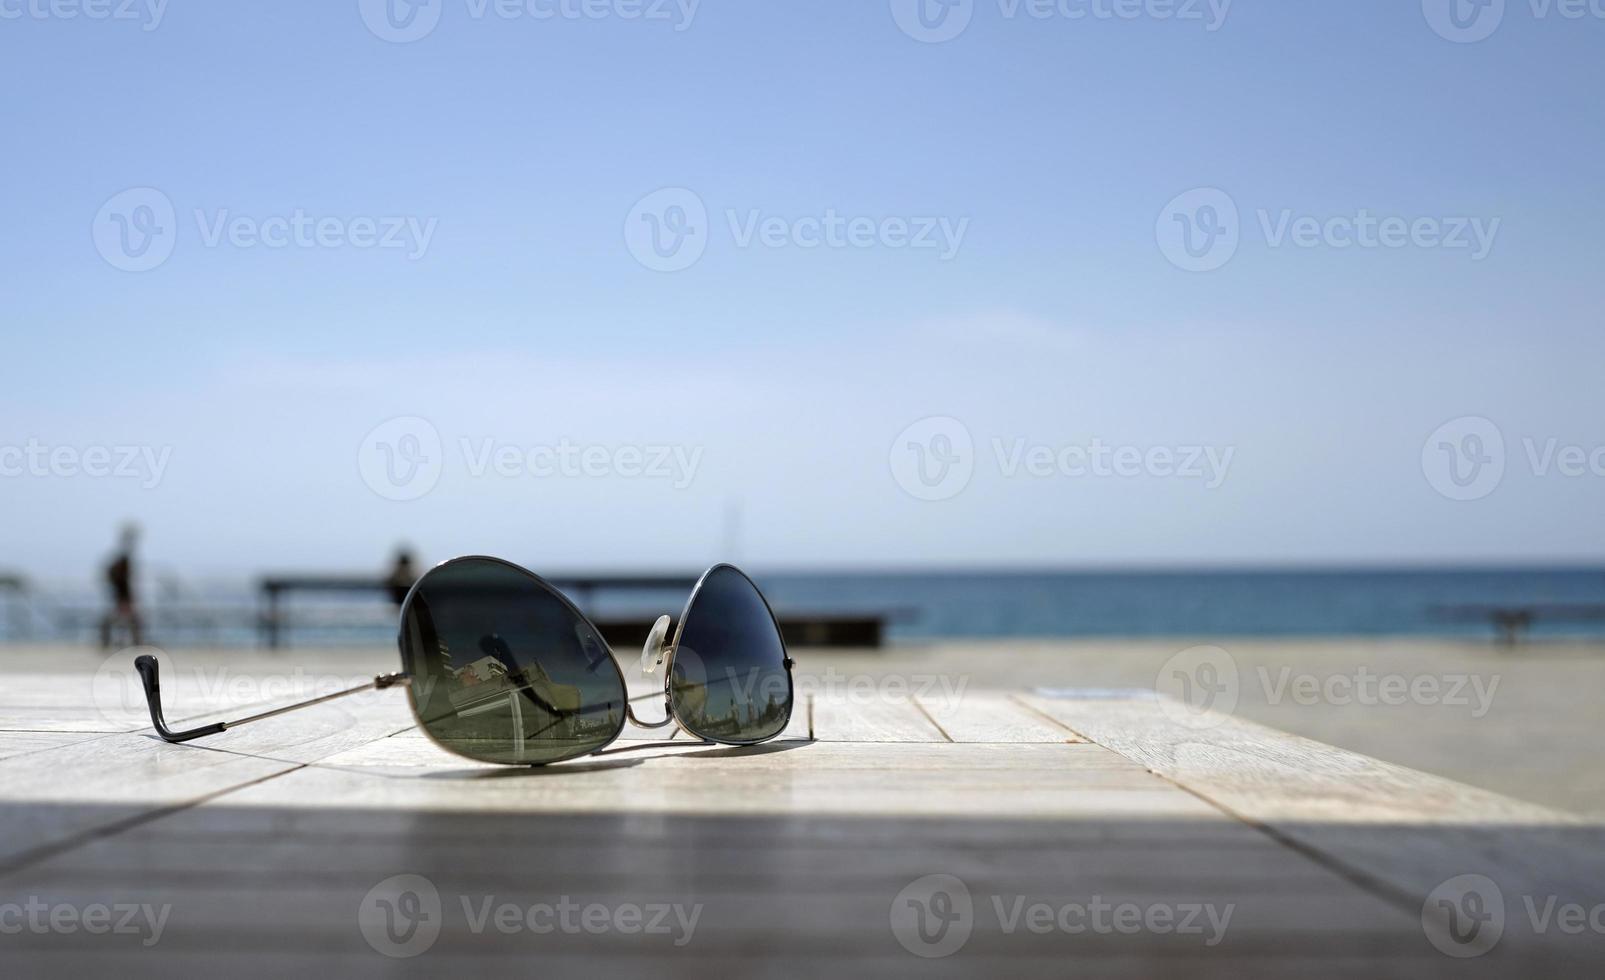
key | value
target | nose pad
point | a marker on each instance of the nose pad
(652, 652)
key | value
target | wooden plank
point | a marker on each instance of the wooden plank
(1403, 833)
(796, 855)
(791, 777)
(757, 962)
(56, 794)
(981, 716)
(265, 840)
(839, 718)
(23, 743)
(1266, 774)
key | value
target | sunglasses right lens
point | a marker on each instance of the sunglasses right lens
(729, 681)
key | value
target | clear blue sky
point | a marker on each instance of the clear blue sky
(1055, 144)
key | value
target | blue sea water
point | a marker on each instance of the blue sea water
(930, 605)
(1225, 603)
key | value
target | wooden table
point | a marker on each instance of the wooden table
(1093, 833)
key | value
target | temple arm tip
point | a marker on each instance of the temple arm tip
(151, 676)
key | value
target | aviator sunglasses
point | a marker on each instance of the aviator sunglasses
(501, 667)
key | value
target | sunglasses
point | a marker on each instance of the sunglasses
(501, 667)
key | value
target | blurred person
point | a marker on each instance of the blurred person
(402, 575)
(120, 578)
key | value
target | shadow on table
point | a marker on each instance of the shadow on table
(379, 890)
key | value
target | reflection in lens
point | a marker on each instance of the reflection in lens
(504, 669)
(729, 681)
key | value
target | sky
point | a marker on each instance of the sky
(850, 283)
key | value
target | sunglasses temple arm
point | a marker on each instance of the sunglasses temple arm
(150, 675)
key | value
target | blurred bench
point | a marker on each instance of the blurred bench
(623, 632)
(1511, 623)
(800, 629)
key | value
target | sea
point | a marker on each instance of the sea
(926, 605)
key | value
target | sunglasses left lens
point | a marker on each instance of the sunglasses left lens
(505, 669)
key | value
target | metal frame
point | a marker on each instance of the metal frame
(150, 674)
